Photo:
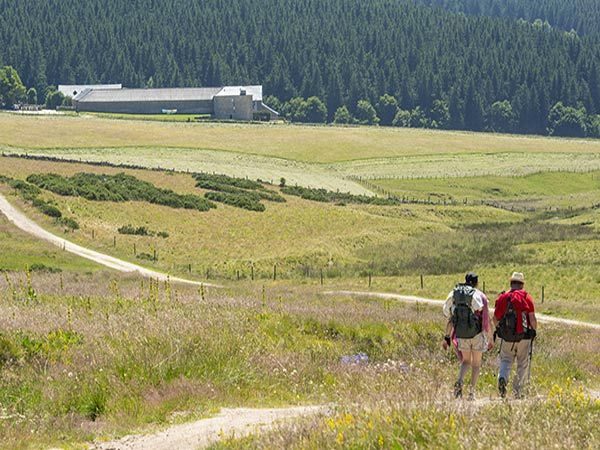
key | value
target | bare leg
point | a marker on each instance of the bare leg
(465, 365)
(476, 358)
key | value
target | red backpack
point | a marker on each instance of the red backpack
(514, 325)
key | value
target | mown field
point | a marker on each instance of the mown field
(317, 156)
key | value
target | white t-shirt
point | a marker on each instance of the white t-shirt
(476, 303)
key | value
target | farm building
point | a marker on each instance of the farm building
(71, 90)
(223, 103)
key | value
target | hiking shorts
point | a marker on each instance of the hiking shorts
(476, 344)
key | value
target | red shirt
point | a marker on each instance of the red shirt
(522, 302)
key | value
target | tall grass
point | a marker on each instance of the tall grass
(90, 357)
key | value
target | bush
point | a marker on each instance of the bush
(340, 198)
(28, 191)
(69, 223)
(241, 200)
(38, 267)
(116, 188)
(46, 208)
(222, 180)
(139, 231)
(145, 256)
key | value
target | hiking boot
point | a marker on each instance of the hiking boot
(502, 387)
(471, 397)
(458, 389)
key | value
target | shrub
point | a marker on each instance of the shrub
(117, 188)
(162, 234)
(27, 191)
(145, 256)
(340, 198)
(70, 223)
(221, 180)
(240, 200)
(38, 267)
(139, 231)
(46, 208)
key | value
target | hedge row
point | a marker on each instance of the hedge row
(29, 192)
(241, 183)
(240, 200)
(325, 196)
(259, 194)
(117, 188)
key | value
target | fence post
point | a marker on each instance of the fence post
(422, 284)
(252, 272)
(321, 277)
(543, 293)
(275, 272)
(134, 249)
(207, 273)
(155, 255)
(114, 241)
(238, 275)
(189, 268)
(369, 280)
(484, 287)
(93, 234)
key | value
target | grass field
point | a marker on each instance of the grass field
(394, 244)
(88, 354)
(321, 144)
(90, 359)
(19, 251)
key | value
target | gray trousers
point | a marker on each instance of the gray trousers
(509, 351)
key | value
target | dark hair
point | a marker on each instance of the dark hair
(471, 278)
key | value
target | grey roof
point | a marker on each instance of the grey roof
(71, 90)
(93, 94)
(147, 95)
(255, 91)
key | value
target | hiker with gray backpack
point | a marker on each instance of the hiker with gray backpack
(516, 324)
(468, 328)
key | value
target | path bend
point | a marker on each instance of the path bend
(27, 225)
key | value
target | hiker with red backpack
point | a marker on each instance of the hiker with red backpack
(516, 324)
(468, 328)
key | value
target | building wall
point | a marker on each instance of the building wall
(182, 107)
(233, 107)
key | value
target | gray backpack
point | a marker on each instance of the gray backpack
(466, 323)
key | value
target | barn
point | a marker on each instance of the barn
(223, 103)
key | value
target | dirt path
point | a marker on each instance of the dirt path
(430, 301)
(229, 423)
(29, 226)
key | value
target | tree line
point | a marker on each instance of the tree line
(443, 69)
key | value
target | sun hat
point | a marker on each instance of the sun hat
(517, 277)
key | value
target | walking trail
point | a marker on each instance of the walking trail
(229, 422)
(429, 301)
(29, 226)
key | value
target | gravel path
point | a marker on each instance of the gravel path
(237, 423)
(29, 226)
(430, 301)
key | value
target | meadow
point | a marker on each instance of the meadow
(87, 354)
(94, 357)
(332, 157)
